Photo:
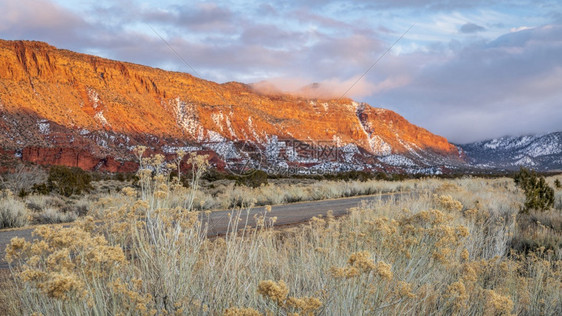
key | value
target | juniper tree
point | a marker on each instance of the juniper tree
(538, 195)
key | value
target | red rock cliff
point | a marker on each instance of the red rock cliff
(53, 98)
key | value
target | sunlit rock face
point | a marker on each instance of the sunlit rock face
(61, 107)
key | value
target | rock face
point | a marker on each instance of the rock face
(539, 152)
(61, 107)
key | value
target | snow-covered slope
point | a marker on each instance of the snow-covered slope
(541, 152)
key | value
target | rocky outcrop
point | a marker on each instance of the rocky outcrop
(61, 107)
(75, 157)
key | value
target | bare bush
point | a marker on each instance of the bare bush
(13, 212)
(23, 178)
(52, 215)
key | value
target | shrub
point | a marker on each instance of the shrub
(184, 179)
(253, 179)
(68, 181)
(538, 195)
(52, 215)
(42, 189)
(557, 184)
(120, 177)
(351, 176)
(536, 231)
(23, 177)
(13, 212)
(80, 208)
(212, 175)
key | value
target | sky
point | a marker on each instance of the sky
(466, 70)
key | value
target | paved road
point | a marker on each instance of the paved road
(219, 220)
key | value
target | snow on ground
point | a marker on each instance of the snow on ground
(397, 160)
(543, 148)
(217, 119)
(506, 143)
(44, 127)
(252, 130)
(525, 161)
(174, 149)
(186, 117)
(229, 126)
(94, 97)
(379, 147)
(100, 118)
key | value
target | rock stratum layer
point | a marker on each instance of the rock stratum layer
(66, 108)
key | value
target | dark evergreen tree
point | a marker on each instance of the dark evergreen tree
(538, 195)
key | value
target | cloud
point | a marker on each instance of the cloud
(40, 20)
(442, 5)
(503, 81)
(204, 16)
(271, 35)
(471, 28)
(509, 85)
(326, 89)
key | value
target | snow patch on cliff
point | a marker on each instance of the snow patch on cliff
(229, 126)
(186, 118)
(337, 140)
(348, 151)
(217, 119)
(273, 148)
(220, 145)
(379, 147)
(253, 130)
(44, 127)
(94, 97)
(101, 119)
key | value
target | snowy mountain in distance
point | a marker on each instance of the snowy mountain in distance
(539, 152)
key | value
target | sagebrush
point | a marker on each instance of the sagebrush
(443, 249)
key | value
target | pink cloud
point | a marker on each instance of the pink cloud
(353, 87)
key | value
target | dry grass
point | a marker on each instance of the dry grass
(46, 209)
(13, 212)
(8, 288)
(446, 251)
(227, 195)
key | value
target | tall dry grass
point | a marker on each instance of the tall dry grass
(228, 195)
(45, 209)
(13, 212)
(445, 250)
